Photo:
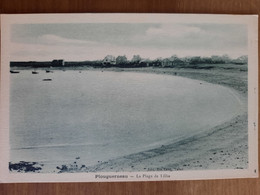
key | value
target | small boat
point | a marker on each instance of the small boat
(47, 79)
(35, 72)
(14, 71)
(48, 71)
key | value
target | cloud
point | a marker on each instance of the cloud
(192, 37)
(170, 36)
(49, 47)
(170, 30)
(150, 41)
(49, 39)
(26, 52)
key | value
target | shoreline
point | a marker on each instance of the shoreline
(222, 147)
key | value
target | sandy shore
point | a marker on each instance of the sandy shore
(222, 147)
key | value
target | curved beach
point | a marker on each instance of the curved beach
(222, 147)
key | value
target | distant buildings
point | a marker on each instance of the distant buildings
(145, 62)
(57, 63)
(136, 61)
(38, 64)
(109, 60)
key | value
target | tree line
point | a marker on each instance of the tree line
(137, 61)
(172, 61)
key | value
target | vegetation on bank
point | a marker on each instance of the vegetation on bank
(195, 62)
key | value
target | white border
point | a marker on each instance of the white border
(250, 20)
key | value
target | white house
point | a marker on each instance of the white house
(109, 60)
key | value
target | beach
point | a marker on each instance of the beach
(224, 146)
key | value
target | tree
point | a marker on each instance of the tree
(120, 60)
(136, 59)
(173, 58)
(226, 58)
(217, 59)
(241, 60)
(195, 60)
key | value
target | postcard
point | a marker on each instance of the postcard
(128, 97)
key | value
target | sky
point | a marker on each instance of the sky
(93, 41)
